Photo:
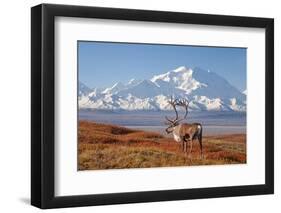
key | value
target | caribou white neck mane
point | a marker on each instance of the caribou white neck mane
(176, 133)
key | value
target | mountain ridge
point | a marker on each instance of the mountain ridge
(205, 90)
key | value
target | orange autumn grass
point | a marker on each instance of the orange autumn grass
(103, 146)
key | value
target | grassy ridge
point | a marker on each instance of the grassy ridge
(103, 146)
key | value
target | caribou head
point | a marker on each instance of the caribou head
(172, 123)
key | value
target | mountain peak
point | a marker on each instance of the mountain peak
(132, 81)
(146, 82)
(83, 89)
(173, 75)
(180, 69)
(118, 84)
(116, 87)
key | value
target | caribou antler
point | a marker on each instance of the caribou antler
(184, 103)
(178, 102)
(173, 103)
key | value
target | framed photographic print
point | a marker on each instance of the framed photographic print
(139, 106)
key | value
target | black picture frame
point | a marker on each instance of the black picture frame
(43, 102)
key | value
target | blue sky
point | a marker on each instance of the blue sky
(101, 64)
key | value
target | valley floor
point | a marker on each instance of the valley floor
(103, 146)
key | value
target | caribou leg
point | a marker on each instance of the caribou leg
(201, 149)
(200, 143)
(190, 147)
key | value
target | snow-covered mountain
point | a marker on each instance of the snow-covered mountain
(83, 90)
(205, 90)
